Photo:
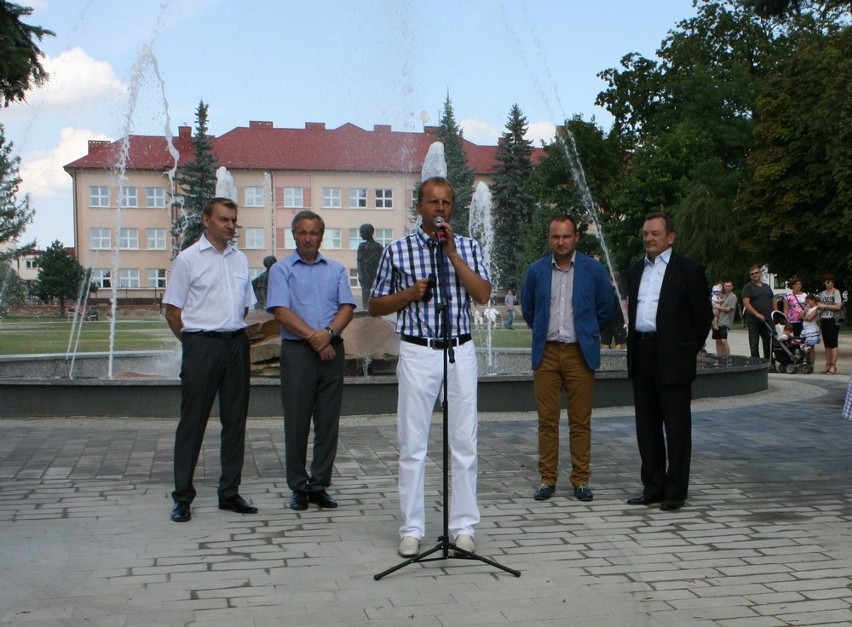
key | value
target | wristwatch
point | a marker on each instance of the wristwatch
(331, 332)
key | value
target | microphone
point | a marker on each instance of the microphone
(430, 286)
(440, 228)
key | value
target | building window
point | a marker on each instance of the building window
(99, 238)
(354, 283)
(128, 239)
(331, 198)
(331, 239)
(357, 198)
(354, 238)
(31, 263)
(383, 236)
(129, 197)
(253, 197)
(101, 277)
(255, 238)
(384, 198)
(293, 197)
(289, 240)
(155, 197)
(156, 239)
(99, 196)
(128, 277)
(255, 272)
(157, 278)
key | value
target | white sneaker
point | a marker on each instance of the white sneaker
(465, 542)
(409, 546)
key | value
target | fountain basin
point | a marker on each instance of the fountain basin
(37, 386)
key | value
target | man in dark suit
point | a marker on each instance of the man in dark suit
(669, 318)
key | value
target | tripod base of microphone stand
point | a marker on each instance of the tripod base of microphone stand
(445, 547)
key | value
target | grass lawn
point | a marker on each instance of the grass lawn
(28, 336)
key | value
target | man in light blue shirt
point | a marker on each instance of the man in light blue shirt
(310, 297)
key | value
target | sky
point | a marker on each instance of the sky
(142, 66)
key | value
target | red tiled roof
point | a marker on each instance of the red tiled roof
(147, 152)
(259, 146)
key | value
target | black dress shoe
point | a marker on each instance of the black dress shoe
(670, 506)
(322, 499)
(299, 500)
(181, 512)
(238, 504)
(645, 499)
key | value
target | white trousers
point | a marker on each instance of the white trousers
(420, 373)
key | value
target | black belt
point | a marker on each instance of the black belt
(562, 343)
(645, 335)
(437, 344)
(219, 335)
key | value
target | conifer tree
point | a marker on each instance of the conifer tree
(197, 183)
(20, 57)
(513, 202)
(14, 214)
(458, 172)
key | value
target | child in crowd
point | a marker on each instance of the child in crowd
(810, 327)
(717, 298)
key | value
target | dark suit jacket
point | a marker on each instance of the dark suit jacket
(684, 316)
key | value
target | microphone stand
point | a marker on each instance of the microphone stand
(442, 297)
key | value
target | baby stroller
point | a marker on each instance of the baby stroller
(789, 350)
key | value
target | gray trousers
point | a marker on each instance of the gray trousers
(212, 365)
(311, 389)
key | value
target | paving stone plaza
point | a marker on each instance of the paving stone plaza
(765, 537)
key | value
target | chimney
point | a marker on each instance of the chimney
(96, 144)
(382, 128)
(315, 126)
(184, 131)
(257, 124)
(431, 130)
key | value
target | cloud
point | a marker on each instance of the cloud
(480, 132)
(75, 80)
(541, 131)
(42, 175)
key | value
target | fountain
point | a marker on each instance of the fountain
(41, 385)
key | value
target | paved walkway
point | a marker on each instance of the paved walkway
(765, 538)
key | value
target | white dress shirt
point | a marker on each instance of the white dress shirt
(649, 291)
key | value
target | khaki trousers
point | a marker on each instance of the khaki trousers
(564, 368)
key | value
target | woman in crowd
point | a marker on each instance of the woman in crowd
(830, 304)
(794, 305)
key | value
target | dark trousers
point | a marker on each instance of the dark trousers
(663, 426)
(212, 365)
(758, 332)
(310, 389)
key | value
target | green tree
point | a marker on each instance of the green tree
(513, 203)
(687, 123)
(556, 190)
(196, 181)
(11, 287)
(461, 176)
(797, 204)
(20, 57)
(59, 276)
(15, 214)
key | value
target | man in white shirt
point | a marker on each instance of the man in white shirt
(207, 299)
